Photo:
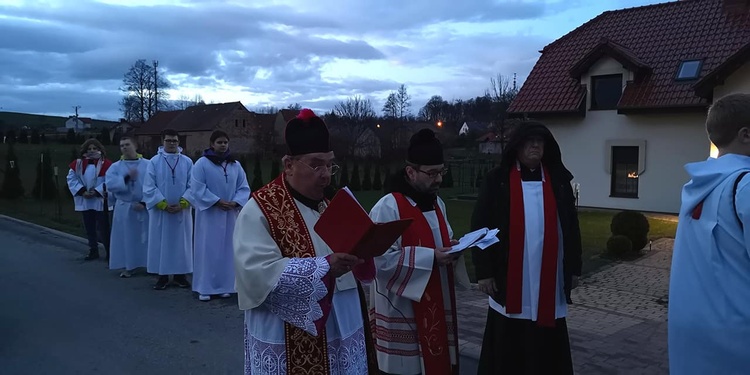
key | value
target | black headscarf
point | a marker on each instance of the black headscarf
(552, 158)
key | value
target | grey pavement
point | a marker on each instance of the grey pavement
(617, 323)
(62, 316)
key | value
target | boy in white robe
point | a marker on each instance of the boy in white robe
(170, 234)
(86, 181)
(218, 191)
(129, 248)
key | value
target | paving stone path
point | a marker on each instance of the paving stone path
(617, 323)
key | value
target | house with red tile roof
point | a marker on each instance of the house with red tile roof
(195, 125)
(626, 96)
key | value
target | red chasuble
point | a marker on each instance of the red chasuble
(429, 313)
(305, 354)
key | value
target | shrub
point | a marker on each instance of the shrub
(344, 180)
(619, 245)
(633, 225)
(257, 176)
(447, 179)
(12, 187)
(366, 181)
(356, 185)
(377, 184)
(275, 169)
(44, 187)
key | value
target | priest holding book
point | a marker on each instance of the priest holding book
(305, 311)
(413, 301)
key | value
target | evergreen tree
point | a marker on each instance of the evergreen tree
(44, 187)
(257, 176)
(70, 137)
(42, 139)
(386, 178)
(23, 136)
(12, 187)
(275, 169)
(447, 179)
(366, 181)
(10, 136)
(356, 185)
(104, 137)
(35, 136)
(376, 183)
(344, 180)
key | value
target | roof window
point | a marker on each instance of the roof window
(689, 69)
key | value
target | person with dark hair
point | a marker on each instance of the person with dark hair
(305, 311)
(165, 192)
(130, 220)
(218, 191)
(530, 272)
(86, 181)
(416, 277)
(709, 286)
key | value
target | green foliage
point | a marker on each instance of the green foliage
(619, 246)
(376, 183)
(633, 225)
(275, 168)
(355, 183)
(44, 187)
(344, 179)
(447, 179)
(257, 176)
(366, 181)
(12, 187)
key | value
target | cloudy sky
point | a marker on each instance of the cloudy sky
(56, 54)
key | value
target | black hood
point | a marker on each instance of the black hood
(552, 158)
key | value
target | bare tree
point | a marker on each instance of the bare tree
(436, 109)
(353, 118)
(390, 108)
(403, 103)
(295, 106)
(502, 92)
(141, 85)
(268, 110)
(185, 101)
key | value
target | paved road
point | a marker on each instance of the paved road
(59, 315)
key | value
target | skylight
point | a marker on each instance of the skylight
(689, 69)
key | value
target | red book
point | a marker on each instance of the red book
(347, 228)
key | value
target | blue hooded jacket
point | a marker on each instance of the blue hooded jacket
(709, 291)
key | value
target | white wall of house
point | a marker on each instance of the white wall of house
(666, 143)
(739, 81)
(71, 124)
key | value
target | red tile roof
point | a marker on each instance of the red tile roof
(157, 122)
(651, 39)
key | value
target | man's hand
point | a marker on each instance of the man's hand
(174, 208)
(487, 286)
(443, 258)
(226, 205)
(133, 173)
(138, 206)
(88, 194)
(342, 263)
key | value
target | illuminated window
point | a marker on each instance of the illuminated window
(624, 172)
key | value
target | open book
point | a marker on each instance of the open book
(347, 228)
(481, 238)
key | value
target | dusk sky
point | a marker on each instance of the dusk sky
(57, 54)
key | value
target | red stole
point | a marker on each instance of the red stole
(429, 313)
(305, 354)
(548, 278)
(79, 166)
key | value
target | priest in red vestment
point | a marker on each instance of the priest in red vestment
(529, 274)
(305, 310)
(413, 301)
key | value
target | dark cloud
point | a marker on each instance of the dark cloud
(76, 52)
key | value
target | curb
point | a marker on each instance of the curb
(54, 232)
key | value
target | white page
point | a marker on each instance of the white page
(346, 188)
(468, 240)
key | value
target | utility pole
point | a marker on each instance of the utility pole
(156, 88)
(75, 128)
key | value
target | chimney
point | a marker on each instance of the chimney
(736, 6)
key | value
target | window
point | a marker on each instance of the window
(689, 69)
(606, 91)
(624, 172)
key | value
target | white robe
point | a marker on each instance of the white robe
(129, 238)
(213, 271)
(402, 276)
(170, 236)
(89, 180)
(533, 204)
(273, 290)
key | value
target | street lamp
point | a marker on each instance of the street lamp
(439, 124)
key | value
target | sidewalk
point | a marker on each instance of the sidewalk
(617, 323)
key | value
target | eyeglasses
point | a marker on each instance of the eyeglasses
(433, 174)
(332, 169)
(171, 140)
